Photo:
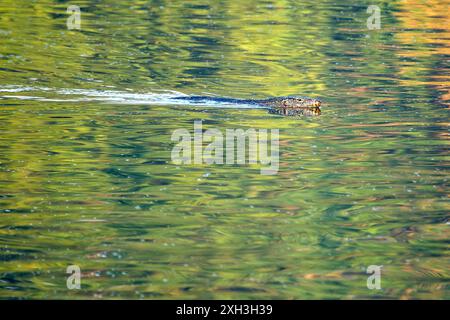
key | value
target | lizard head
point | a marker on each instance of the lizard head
(300, 102)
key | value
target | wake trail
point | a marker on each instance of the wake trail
(162, 97)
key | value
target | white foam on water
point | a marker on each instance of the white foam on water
(12, 88)
(166, 97)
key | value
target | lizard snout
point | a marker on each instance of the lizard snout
(317, 103)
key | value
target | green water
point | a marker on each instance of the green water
(86, 176)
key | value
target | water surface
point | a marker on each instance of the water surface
(86, 176)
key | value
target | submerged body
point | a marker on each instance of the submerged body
(286, 106)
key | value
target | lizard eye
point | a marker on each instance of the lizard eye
(285, 103)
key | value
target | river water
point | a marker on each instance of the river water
(87, 178)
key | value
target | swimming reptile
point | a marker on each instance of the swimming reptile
(286, 106)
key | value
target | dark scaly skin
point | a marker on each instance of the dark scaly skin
(293, 106)
(286, 106)
(303, 111)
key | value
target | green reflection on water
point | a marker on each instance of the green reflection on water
(91, 183)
